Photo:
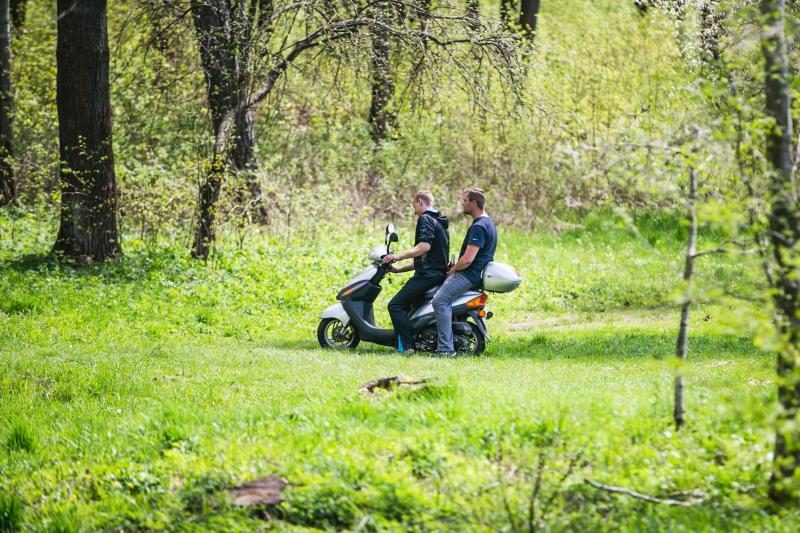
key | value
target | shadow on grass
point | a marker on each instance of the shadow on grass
(663, 227)
(364, 348)
(621, 346)
(30, 262)
(125, 268)
(293, 344)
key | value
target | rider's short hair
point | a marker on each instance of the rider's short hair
(425, 196)
(476, 195)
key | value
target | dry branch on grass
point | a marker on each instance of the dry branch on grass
(692, 497)
(388, 383)
(267, 491)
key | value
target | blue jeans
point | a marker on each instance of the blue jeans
(451, 289)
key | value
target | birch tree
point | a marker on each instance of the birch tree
(783, 261)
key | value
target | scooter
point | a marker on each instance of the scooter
(344, 324)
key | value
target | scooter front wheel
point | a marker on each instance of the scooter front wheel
(331, 333)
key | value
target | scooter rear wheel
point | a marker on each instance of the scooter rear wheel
(331, 333)
(473, 344)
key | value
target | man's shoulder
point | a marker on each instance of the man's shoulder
(483, 230)
(431, 219)
(425, 219)
(483, 222)
(488, 224)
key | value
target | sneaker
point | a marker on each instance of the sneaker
(444, 353)
(408, 351)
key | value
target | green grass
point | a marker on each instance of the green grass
(20, 438)
(10, 513)
(133, 394)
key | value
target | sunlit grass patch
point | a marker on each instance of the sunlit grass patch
(156, 384)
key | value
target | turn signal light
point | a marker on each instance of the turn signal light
(481, 313)
(348, 291)
(478, 301)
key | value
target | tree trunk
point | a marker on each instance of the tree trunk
(784, 226)
(8, 187)
(381, 119)
(682, 344)
(243, 156)
(225, 32)
(528, 14)
(18, 14)
(506, 11)
(711, 18)
(473, 15)
(212, 22)
(209, 194)
(224, 35)
(88, 229)
(424, 14)
(249, 25)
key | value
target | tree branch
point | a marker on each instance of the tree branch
(570, 468)
(535, 494)
(697, 496)
(331, 32)
(748, 251)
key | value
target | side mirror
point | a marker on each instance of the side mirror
(391, 235)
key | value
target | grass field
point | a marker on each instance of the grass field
(134, 394)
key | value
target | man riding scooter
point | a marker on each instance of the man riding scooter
(351, 320)
(430, 254)
(477, 251)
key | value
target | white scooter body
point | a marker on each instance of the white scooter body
(336, 310)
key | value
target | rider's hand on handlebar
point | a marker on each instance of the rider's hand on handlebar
(388, 259)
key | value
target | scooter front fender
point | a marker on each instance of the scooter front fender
(336, 311)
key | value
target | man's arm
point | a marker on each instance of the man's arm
(426, 236)
(418, 250)
(476, 236)
(399, 270)
(465, 260)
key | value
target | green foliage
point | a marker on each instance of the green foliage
(156, 382)
(574, 141)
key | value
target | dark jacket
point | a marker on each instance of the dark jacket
(432, 228)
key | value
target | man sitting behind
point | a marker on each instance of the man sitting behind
(477, 251)
(430, 252)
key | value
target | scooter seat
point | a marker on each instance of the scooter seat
(430, 292)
